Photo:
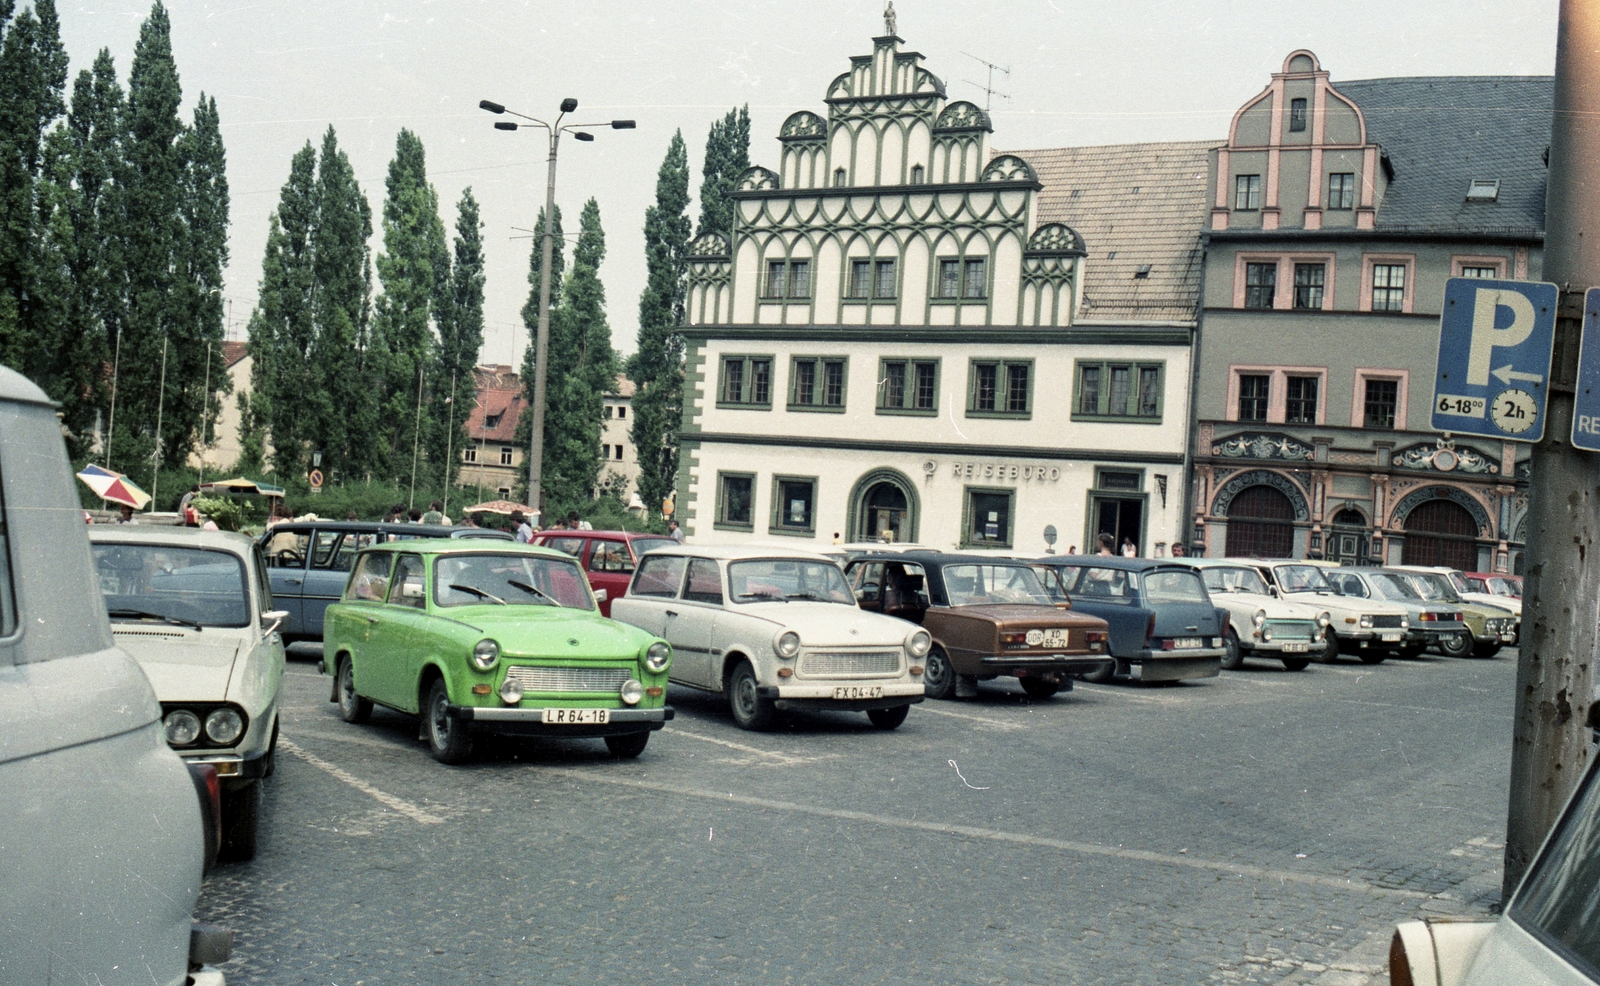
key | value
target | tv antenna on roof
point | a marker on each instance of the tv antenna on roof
(989, 91)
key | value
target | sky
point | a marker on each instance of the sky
(1080, 73)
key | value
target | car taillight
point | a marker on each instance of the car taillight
(1014, 638)
(1097, 637)
(1427, 618)
(208, 786)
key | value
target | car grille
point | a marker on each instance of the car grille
(568, 679)
(833, 664)
(1387, 622)
(1291, 629)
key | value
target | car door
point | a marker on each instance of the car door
(866, 581)
(1107, 593)
(610, 567)
(327, 569)
(350, 627)
(654, 590)
(286, 549)
(692, 622)
(391, 644)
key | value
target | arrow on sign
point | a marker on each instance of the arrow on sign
(1506, 374)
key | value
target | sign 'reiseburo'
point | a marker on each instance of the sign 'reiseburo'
(1586, 402)
(1495, 339)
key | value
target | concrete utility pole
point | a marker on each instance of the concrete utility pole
(1555, 673)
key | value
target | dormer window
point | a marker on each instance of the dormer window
(838, 177)
(1483, 190)
(1297, 114)
(1247, 192)
(1143, 272)
(918, 175)
(492, 421)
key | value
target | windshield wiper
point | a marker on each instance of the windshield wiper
(139, 614)
(525, 587)
(808, 595)
(771, 596)
(457, 586)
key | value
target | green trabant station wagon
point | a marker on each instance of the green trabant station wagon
(477, 636)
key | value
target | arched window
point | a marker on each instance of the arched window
(1349, 518)
(1440, 532)
(838, 177)
(1260, 524)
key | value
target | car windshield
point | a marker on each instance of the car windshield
(1302, 578)
(1561, 896)
(183, 586)
(1435, 588)
(509, 579)
(1391, 586)
(1504, 587)
(771, 579)
(1239, 579)
(1173, 586)
(977, 585)
(641, 545)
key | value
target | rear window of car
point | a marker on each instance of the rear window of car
(705, 582)
(1101, 585)
(572, 546)
(165, 582)
(370, 581)
(641, 545)
(1560, 901)
(658, 576)
(1173, 587)
(610, 556)
(978, 585)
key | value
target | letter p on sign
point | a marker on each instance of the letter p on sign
(1486, 338)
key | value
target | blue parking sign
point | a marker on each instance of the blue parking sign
(1495, 339)
(1586, 406)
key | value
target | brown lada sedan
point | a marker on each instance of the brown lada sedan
(989, 617)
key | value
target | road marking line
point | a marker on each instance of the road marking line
(996, 723)
(379, 744)
(1409, 708)
(995, 835)
(404, 807)
(785, 757)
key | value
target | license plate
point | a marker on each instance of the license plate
(857, 691)
(1053, 637)
(1390, 637)
(1296, 648)
(1507, 638)
(1188, 643)
(576, 717)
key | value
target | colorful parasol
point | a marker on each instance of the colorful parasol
(114, 486)
(246, 487)
(497, 507)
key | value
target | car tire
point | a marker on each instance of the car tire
(1456, 645)
(888, 718)
(352, 707)
(628, 745)
(271, 765)
(1039, 688)
(750, 710)
(448, 738)
(1296, 663)
(241, 810)
(1103, 676)
(1485, 651)
(938, 677)
(1330, 648)
(1373, 656)
(1232, 653)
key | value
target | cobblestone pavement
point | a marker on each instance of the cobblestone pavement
(1261, 827)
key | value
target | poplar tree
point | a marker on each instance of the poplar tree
(202, 253)
(348, 400)
(460, 338)
(656, 366)
(727, 157)
(282, 329)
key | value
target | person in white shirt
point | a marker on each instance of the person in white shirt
(524, 529)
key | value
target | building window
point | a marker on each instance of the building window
(1388, 287)
(746, 380)
(777, 280)
(794, 504)
(1119, 390)
(788, 279)
(504, 491)
(800, 279)
(622, 412)
(1002, 388)
(963, 279)
(469, 454)
(816, 383)
(492, 421)
(975, 284)
(1484, 272)
(1301, 406)
(1297, 114)
(505, 455)
(917, 174)
(619, 453)
(1254, 389)
(1383, 398)
(949, 278)
(860, 278)
(1247, 192)
(605, 451)
(606, 414)
(735, 500)
(908, 386)
(1342, 190)
(988, 518)
(838, 177)
(1308, 281)
(883, 279)
(1260, 285)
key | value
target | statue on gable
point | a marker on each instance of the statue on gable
(889, 18)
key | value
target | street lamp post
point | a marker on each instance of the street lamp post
(541, 346)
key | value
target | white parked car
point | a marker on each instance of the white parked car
(1259, 623)
(775, 630)
(1368, 628)
(195, 610)
(1548, 934)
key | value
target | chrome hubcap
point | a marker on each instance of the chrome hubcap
(441, 721)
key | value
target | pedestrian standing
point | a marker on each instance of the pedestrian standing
(186, 512)
(575, 523)
(352, 515)
(523, 528)
(674, 531)
(1128, 550)
(1105, 543)
(435, 514)
(1177, 549)
(414, 516)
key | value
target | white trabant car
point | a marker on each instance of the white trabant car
(194, 608)
(1371, 629)
(775, 630)
(1259, 623)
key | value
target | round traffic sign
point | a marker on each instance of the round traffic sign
(1514, 411)
(1049, 534)
(316, 479)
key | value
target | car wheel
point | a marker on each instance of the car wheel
(448, 738)
(888, 718)
(1330, 648)
(352, 707)
(938, 677)
(1040, 687)
(1102, 676)
(1373, 656)
(750, 710)
(1296, 663)
(271, 766)
(1232, 653)
(628, 745)
(241, 809)
(1456, 645)
(1486, 650)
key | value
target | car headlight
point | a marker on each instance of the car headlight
(657, 657)
(224, 725)
(1260, 619)
(1405, 622)
(919, 643)
(485, 654)
(1266, 633)
(181, 727)
(632, 692)
(787, 644)
(1323, 619)
(511, 691)
(1366, 622)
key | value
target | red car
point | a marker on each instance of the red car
(1494, 583)
(607, 557)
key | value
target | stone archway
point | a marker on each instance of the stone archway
(1260, 524)
(883, 499)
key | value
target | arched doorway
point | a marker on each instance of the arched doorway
(1260, 524)
(1347, 543)
(883, 504)
(1440, 532)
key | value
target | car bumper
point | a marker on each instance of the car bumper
(232, 768)
(820, 697)
(1169, 665)
(1276, 647)
(1063, 664)
(207, 976)
(1380, 637)
(530, 722)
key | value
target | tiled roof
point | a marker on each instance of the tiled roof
(624, 387)
(233, 352)
(1134, 205)
(499, 405)
(1442, 132)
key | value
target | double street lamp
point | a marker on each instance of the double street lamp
(580, 131)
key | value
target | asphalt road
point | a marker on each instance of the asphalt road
(1264, 826)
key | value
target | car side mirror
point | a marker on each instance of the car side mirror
(271, 620)
(600, 595)
(411, 590)
(1272, 591)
